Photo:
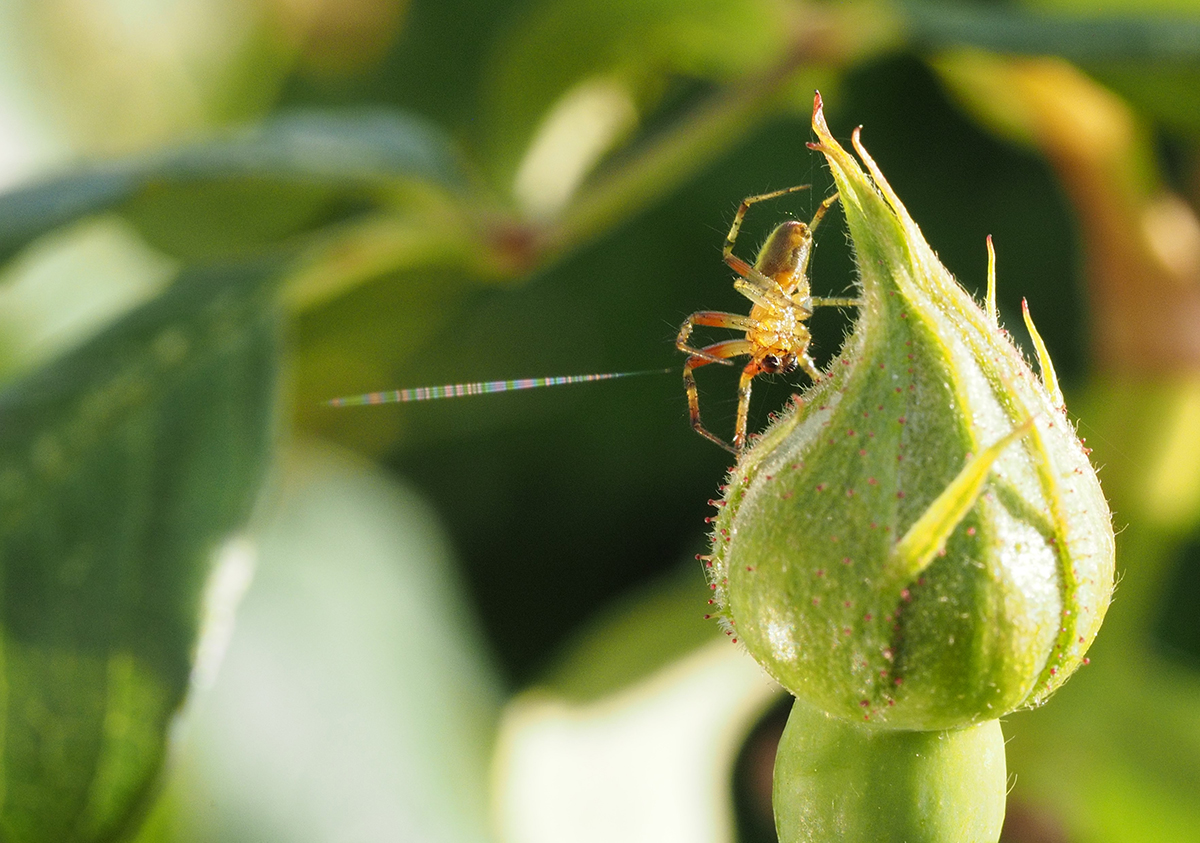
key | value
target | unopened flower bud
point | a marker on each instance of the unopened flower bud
(921, 543)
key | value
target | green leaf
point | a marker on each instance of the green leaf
(1147, 53)
(122, 465)
(252, 186)
(1084, 37)
(356, 693)
(1169, 92)
(634, 45)
(633, 639)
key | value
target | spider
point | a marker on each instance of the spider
(776, 337)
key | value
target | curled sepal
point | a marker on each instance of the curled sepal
(993, 314)
(921, 543)
(925, 539)
(837, 780)
(1049, 378)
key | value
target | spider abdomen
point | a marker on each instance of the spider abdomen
(784, 256)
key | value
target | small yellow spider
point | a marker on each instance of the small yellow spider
(776, 337)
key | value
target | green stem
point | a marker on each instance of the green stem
(837, 780)
(823, 38)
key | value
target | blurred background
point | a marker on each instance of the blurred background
(482, 619)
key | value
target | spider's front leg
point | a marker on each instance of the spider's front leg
(710, 319)
(717, 352)
(743, 409)
(805, 362)
(820, 301)
(805, 307)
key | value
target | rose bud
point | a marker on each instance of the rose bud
(920, 542)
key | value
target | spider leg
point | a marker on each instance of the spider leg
(776, 300)
(749, 373)
(711, 319)
(817, 301)
(810, 367)
(759, 288)
(743, 409)
(731, 238)
(752, 283)
(716, 352)
(825, 206)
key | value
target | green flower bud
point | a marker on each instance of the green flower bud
(921, 541)
(837, 780)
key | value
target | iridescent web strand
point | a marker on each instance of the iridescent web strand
(461, 390)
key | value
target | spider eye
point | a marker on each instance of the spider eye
(770, 363)
(789, 364)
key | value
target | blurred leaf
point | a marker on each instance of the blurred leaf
(1149, 52)
(1170, 93)
(636, 45)
(70, 285)
(635, 734)
(1093, 36)
(250, 187)
(356, 701)
(1142, 241)
(122, 465)
(633, 639)
(1159, 71)
(1115, 757)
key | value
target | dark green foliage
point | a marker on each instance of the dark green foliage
(123, 464)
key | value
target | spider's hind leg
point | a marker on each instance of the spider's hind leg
(731, 237)
(821, 211)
